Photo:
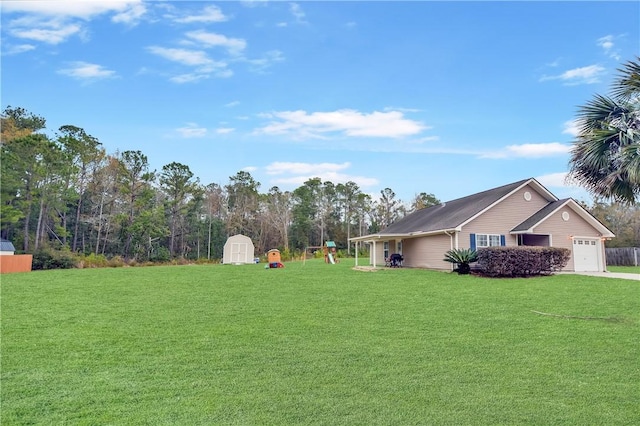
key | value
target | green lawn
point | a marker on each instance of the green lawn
(625, 269)
(316, 344)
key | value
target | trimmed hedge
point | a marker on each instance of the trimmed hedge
(521, 261)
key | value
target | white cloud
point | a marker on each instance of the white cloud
(204, 67)
(606, 42)
(208, 14)
(269, 58)
(401, 109)
(17, 49)
(571, 127)
(188, 78)
(75, 9)
(224, 130)
(253, 3)
(86, 71)
(232, 104)
(279, 168)
(300, 124)
(51, 32)
(553, 179)
(564, 186)
(54, 21)
(297, 13)
(607, 45)
(584, 75)
(191, 130)
(130, 16)
(295, 174)
(235, 46)
(530, 150)
(184, 56)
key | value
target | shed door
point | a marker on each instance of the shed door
(239, 253)
(585, 254)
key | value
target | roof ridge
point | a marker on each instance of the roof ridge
(475, 194)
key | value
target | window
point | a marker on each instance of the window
(487, 240)
(399, 247)
(385, 249)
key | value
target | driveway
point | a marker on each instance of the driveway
(621, 275)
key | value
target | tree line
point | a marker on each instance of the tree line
(67, 192)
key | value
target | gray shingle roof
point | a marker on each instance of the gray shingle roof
(6, 245)
(450, 214)
(539, 215)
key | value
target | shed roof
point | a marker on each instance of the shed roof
(6, 245)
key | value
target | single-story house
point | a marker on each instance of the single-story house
(238, 249)
(522, 213)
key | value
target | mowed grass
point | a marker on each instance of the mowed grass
(317, 344)
(625, 269)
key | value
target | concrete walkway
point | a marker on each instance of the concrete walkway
(621, 275)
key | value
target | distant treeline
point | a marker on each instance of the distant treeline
(66, 192)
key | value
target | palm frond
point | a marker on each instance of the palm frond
(627, 84)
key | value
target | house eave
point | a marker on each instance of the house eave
(408, 235)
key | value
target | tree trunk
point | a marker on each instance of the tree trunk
(39, 224)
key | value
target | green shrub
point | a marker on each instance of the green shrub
(463, 258)
(52, 259)
(160, 254)
(94, 261)
(116, 261)
(521, 261)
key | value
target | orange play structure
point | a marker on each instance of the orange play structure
(274, 259)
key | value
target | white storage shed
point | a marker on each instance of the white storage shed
(238, 249)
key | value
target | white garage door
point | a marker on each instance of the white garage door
(585, 254)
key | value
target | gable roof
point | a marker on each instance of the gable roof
(539, 216)
(452, 215)
(544, 213)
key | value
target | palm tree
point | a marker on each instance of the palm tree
(605, 157)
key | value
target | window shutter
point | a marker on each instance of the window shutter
(473, 241)
(503, 240)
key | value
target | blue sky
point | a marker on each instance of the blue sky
(448, 98)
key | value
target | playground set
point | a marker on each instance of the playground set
(330, 252)
(329, 249)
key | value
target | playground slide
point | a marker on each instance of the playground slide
(331, 259)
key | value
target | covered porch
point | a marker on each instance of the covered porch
(382, 248)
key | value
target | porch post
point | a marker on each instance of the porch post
(356, 244)
(374, 253)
